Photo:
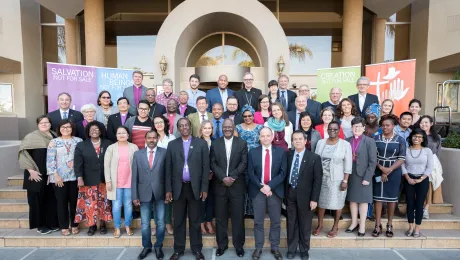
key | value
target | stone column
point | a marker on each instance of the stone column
(352, 32)
(94, 32)
(379, 38)
(71, 52)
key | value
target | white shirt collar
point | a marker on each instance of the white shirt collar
(364, 96)
(62, 111)
(148, 149)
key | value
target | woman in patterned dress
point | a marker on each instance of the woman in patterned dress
(92, 204)
(249, 132)
(391, 153)
(60, 168)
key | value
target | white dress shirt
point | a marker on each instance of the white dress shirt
(293, 162)
(228, 150)
(224, 96)
(362, 99)
(263, 162)
(62, 113)
(148, 154)
(164, 143)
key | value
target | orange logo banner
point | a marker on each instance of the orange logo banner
(393, 80)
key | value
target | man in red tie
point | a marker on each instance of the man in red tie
(267, 166)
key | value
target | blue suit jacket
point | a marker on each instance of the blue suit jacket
(213, 97)
(278, 171)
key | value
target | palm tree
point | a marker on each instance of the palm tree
(299, 51)
(206, 60)
(246, 63)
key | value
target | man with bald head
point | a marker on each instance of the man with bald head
(219, 94)
(335, 95)
(267, 166)
(363, 99)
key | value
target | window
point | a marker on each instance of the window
(131, 53)
(53, 39)
(6, 98)
(225, 55)
(309, 53)
(397, 36)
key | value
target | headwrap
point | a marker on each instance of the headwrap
(374, 109)
(248, 108)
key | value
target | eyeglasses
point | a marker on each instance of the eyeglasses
(357, 126)
(150, 95)
(105, 97)
(159, 123)
(89, 111)
(94, 130)
(143, 109)
(333, 129)
(44, 123)
(66, 127)
(232, 104)
(122, 133)
(248, 116)
(248, 79)
(417, 137)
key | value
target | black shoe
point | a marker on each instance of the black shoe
(284, 213)
(256, 254)
(304, 256)
(44, 230)
(277, 254)
(103, 228)
(92, 230)
(352, 230)
(198, 255)
(176, 256)
(144, 253)
(221, 251)
(54, 229)
(290, 255)
(361, 234)
(240, 252)
(159, 253)
(249, 216)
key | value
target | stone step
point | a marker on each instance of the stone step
(16, 180)
(14, 205)
(13, 192)
(436, 221)
(429, 239)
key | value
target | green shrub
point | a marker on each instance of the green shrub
(452, 141)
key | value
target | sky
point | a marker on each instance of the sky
(136, 51)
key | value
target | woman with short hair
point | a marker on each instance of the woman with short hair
(327, 116)
(306, 125)
(273, 91)
(105, 107)
(264, 111)
(89, 115)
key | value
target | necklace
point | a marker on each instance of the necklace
(415, 157)
(96, 143)
(67, 146)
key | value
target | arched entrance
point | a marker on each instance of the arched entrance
(189, 23)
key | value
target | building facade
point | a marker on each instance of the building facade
(213, 37)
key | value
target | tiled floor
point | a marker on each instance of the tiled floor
(132, 253)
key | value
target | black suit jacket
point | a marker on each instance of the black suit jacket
(189, 110)
(238, 119)
(113, 123)
(87, 164)
(310, 178)
(81, 130)
(237, 166)
(55, 117)
(291, 95)
(250, 98)
(198, 164)
(156, 110)
(278, 171)
(328, 104)
(370, 99)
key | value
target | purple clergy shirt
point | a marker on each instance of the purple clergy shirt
(182, 109)
(137, 94)
(186, 171)
(123, 118)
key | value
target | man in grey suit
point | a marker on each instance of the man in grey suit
(136, 92)
(147, 190)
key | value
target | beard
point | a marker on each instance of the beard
(232, 112)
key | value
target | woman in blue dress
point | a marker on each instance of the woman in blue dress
(391, 153)
(249, 132)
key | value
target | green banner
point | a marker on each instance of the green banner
(344, 78)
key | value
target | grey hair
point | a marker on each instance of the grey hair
(167, 80)
(304, 86)
(88, 107)
(335, 88)
(184, 92)
(363, 78)
(248, 73)
(283, 76)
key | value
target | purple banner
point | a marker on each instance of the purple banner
(79, 81)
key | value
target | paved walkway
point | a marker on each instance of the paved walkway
(315, 254)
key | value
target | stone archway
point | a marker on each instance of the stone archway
(194, 19)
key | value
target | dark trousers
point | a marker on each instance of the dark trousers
(415, 198)
(298, 224)
(226, 205)
(261, 204)
(207, 209)
(187, 204)
(42, 208)
(66, 197)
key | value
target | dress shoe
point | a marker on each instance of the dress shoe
(256, 254)
(116, 233)
(290, 255)
(159, 253)
(304, 256)
(144, 253)
(352, 230)
(361, 234)
(221, 251)
(176, 256)
(92, 230)
(198, 255)
(277, 254)
(240, 252)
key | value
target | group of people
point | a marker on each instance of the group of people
(225, 154)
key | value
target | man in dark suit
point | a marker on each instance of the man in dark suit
(248, 95)
(64, 111)
(187, 179)
(155, 108)
(300, 106)
(184, 108)
(363, 99)
(303, 186)
(136, 92)
(267, 167)
(313, 106)
(118, 119)
(147, 190)
(286, 97)
(233, 111)
(229, 157)
(335, 95)
(219, 94)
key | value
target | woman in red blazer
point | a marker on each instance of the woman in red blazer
(327, 116)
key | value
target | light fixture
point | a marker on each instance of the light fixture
(163, 65)
(280, 65)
